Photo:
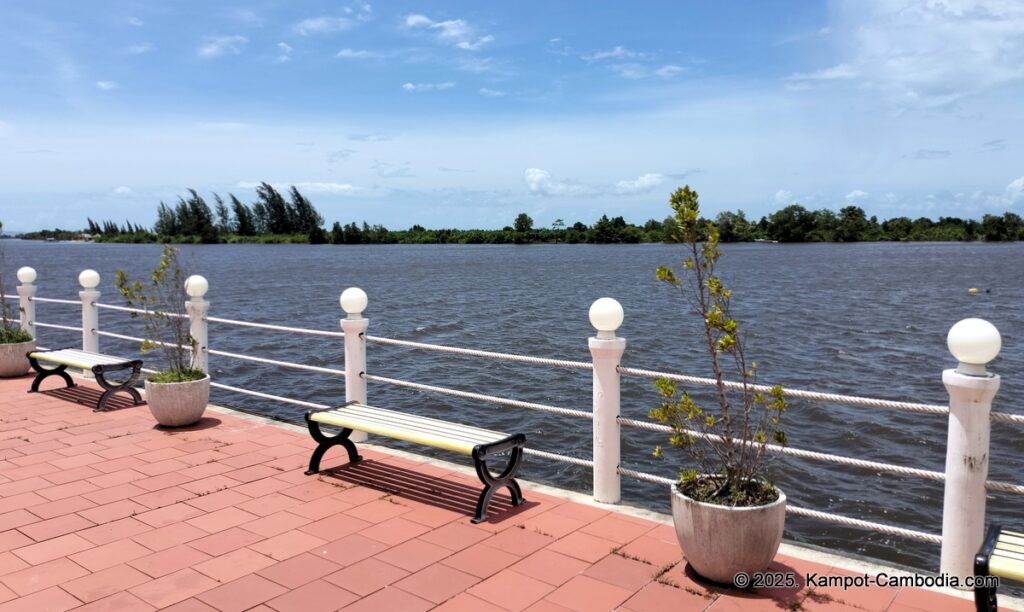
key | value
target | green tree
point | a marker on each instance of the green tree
(853, 224)
(523, 223)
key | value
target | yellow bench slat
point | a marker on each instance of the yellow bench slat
(77, 359)
(1006, 567)
(410, 428)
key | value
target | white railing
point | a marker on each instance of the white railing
(969, 412)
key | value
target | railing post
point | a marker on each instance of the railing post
(974, 342)
(26, 305)
(197, 308)
(606, 350)
(353, 302)
(89, 280)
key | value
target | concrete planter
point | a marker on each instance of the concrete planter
(180, 403)
(719, 541)
(13, 358)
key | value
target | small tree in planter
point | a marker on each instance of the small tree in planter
(729, 517)
(15, 342)
(178, 393)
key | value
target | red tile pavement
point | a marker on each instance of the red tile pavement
(104, 511)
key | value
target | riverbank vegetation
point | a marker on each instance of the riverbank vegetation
(278, 218)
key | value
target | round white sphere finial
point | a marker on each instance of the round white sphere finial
(353, 301)
(89, 279)
(606, 316)
(196, 286)
(974, 342)
(27, 275)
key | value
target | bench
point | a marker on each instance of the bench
(98, 364)
(481, 444)
(1002, 555)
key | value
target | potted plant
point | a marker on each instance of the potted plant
(15, 342)
(728, 516)
(178, 393)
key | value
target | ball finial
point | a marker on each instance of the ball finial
(974, 343)
(27, 275)
(196, 286)
(353, 302)
(606, 316)
(89, 279)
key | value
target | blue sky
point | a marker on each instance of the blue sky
(462, 114)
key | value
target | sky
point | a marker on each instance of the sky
(464, 114)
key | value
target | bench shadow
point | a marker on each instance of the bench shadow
(439, 491)
(88, 396)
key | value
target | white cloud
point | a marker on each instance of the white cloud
(640, 71)
(309, 187)
(642, 184)
(217, 46)
(123, 190)
(323, 25)
(783, 196)
(421, 87)
(1015, 191)
(134, 21)
(285, 54)
(616, 52)
(140, 48)
(856, 195)
(540, 182)
(455, 32)
(106, 85)
(357, 54)
(926, 53)
(490, 93)
(840, 72)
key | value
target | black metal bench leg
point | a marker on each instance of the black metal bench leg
(47, 372)
(493, 483)
(110, 389)
(984, 597)
(326, 442)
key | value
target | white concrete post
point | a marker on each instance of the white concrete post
(353, 302)
(974, 342)
(26, 305)
(606, 350)
(197, 308)
(89, 280)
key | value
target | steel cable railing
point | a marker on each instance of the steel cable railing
(55, 326)
(558, 363)
(283, 364)
(630, 423)
(579, 414)
(173, 315)
(875, 466)
(851, 400)
(281, 328)
(55, 301)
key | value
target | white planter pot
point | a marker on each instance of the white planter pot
(13, 359)
(180, 403)
(719, 541)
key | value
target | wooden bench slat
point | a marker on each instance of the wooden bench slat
(407, 427)
(1010, 547)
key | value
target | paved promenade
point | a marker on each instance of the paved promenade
(103, 511)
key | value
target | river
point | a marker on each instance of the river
(866, 319)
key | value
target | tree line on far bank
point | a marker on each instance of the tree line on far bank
(276, 218)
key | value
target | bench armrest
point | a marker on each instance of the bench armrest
(482, 451)
(987, 548)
